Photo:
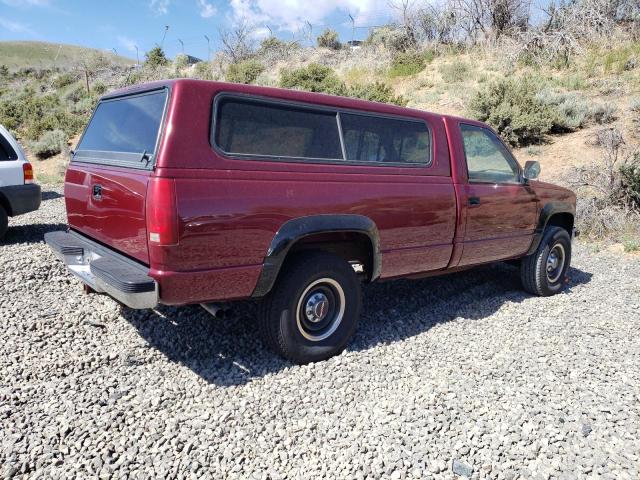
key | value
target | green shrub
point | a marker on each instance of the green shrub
(392, 38)
(454, 72)
(4, 71)
(156, 58)
(246, 71)
(313, 78)
(513, 108)
(407, 63)
(180, 62)
(49, 144)
(318, 78)
(329, 39)
(634, 105)
(604, 113)
(99, 88)
(63, 80)
(377, 92)
(203, 71)
(572, 112)
(630, 181)
(76, 94)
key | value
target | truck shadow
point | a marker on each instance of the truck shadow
(229, 352)
(50, 195)
(30, 233)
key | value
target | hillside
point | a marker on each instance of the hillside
(580, 119)
(16, 55)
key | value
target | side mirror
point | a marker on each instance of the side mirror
(531, 170)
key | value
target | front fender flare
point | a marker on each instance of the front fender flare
(298, 228)
(548, 211)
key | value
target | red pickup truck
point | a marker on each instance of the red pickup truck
(193, 192)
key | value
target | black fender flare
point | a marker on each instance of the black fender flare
(298, 228)
(548, 211)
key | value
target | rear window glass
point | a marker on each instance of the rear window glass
(250, 127)
(6, 151)
(379, 139)
(125, 127)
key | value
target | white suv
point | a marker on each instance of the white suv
(18, 192)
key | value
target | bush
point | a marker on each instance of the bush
(377, 92)
(246, 71)
(51, 143)
(99, 88)
(313, 78)
(604, 113)
(630, 181)
(76, 94)
(392, 37)
(318, 78)
(156, 58)
(63, 80)
(572, 112)
(329, 39)
(405, 64)
(180, 62)
(609, 191)
(203, 71)
(513, 108)
(454, 72)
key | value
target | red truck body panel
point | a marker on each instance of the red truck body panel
(230, 209)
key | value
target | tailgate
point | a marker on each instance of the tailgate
(108, 205)
(106, 182)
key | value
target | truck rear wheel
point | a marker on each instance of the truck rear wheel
(313, 310)
(4, 222)
(543, 272)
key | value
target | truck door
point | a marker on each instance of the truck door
(502, 210)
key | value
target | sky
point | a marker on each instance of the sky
(123, 25)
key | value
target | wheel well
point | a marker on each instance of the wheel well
(564, 220)
(354, 247)
(4, 203)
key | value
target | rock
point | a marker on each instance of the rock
(460, 468)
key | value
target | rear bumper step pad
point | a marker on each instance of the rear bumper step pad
(104, 270)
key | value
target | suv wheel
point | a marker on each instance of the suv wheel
(312, 312)
(543, 273)
(4, 222)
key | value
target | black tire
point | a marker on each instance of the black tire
(312, 311)
(4, 222)
(537, 271)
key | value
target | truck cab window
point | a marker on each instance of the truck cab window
(488, 160)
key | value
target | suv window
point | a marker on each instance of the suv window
(369, 138)
(488, 160)
(6, 151)
(258, 128)
(124, 128)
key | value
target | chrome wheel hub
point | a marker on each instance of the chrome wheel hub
(320, 309)
(317, 307)
(555, 262)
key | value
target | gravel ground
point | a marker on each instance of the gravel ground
(458, 375)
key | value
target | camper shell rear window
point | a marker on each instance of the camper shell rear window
(124, 131)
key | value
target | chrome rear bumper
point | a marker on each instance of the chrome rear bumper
(104, 270)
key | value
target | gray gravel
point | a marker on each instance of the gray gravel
(458, 375)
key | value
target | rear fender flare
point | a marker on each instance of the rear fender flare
(298, 228)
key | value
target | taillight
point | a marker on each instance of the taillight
(27, 173)
(162, 215)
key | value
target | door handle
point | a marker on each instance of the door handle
(474, 201)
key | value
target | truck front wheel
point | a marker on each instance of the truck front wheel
(543, 273)
(313, 310)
